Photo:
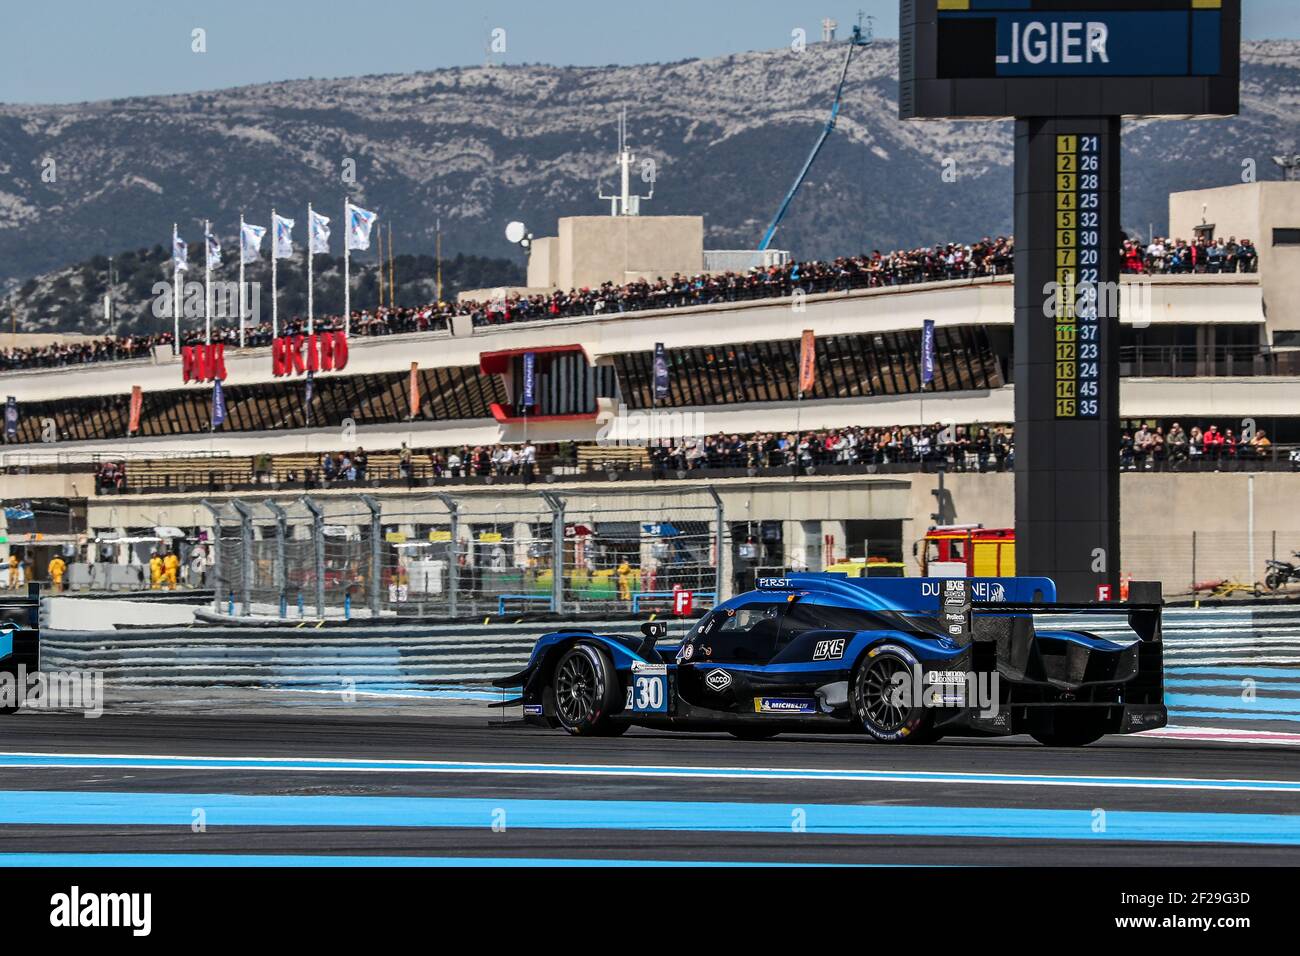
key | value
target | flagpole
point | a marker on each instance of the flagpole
(438, 255)
(176, 301)
(275, 299)
(392, 271)
(241, 279)
(207, 284)
(311, 323)
(347, 272)
(379, 251)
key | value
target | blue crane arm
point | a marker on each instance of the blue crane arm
(817, 148)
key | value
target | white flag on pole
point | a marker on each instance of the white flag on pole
(214, 251)
(320, 232)
(250, 242)
(358, 227)
(282, 245)
(180, 253)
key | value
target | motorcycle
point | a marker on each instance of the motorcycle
(1281, 572)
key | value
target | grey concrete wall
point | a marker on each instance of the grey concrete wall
(1251, 211)
(597, 249)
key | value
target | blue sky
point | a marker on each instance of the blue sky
(76, 50)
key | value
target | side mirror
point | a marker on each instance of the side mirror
(653, 631)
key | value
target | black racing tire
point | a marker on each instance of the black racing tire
(753, 733)
(586, 688)
(1272, 580)
(1071, 731)
(883, 705)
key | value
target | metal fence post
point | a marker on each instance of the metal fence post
(556, 504)
(216, 553)
(376, 552)
(722, 585)
(281, 571)
(453, 567)
(246, 550)
(318, 538)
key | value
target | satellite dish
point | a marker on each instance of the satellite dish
(515, 231)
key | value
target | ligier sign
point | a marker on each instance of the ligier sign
(321, 352)
(203, 363)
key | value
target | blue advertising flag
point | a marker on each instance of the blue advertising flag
(11, 418)
(218, 404)
(530, 379)
(661, 372)
(927, 352)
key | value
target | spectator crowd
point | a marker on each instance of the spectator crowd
(962, 447)
(1153, 448)
(986, 257)
(1163, 256)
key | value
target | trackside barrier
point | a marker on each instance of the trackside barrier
(711, 597)
(529, 598)
(1266, 641)
(433, 556)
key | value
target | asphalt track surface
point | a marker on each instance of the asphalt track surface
(260, 777)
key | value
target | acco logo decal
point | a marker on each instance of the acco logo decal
(322, 352)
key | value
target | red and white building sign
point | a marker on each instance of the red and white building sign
(299, 354)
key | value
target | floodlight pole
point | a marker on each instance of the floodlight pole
(723, 583)
(216, 553)
(453, 568)
(318, 538)
(281, 532)
(556, 504)
(376, 552)
(246, 547)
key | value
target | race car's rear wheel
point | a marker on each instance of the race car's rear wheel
(1071, 730)
(586, 691)
(884, 699)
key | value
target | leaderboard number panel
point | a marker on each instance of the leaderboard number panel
(1079, 265)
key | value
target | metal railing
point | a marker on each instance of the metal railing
(1189, 361)
(436, 556)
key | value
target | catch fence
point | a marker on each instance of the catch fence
(439, 556)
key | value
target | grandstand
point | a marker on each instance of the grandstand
(1209, 343)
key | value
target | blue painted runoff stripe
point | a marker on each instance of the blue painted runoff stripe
(1262, 704)
(86, 808)
(312, 765)
(261, 860)
(1258, 673)
(1230, 715)
(1233, 685)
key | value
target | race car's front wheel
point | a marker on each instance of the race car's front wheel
(885, 699)
(586, 691)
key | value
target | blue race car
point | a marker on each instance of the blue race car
(20, 645)
(903, 660)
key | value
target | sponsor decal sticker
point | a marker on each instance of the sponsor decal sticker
(829, 650)
(718, 679)
(784, 705)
